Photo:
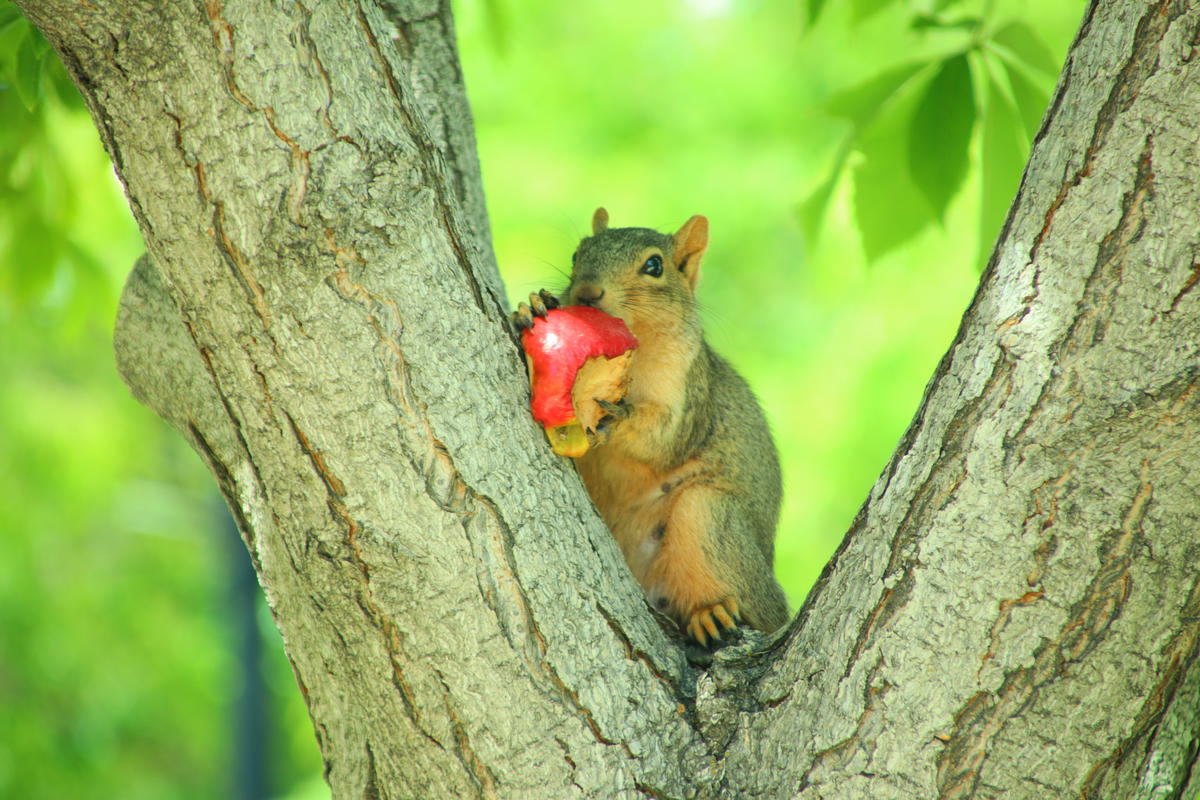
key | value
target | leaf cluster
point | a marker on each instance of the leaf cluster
(915, 126)
(43, 260)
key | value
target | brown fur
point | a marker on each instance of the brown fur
(689, 481)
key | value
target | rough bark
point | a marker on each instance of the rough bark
(1015, 612)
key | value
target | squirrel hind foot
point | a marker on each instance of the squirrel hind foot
(705, 623)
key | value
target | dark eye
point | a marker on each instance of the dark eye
(652, 267)
(574, 256)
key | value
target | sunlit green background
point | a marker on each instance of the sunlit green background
(118, 667)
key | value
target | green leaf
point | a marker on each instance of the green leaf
(8, 14)
(32, 258)
(1031, 98)
(497, 23)
(1021, 40)
(1003, 152)
(812, 209)
(814, 10)
(28, 77)
(941, 133)
(927, 22)
(39, 43)
(862, 102)
(888, 207)
(64, 89)
(12, 38)
(861, 9)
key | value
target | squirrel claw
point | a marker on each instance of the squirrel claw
(616, 411)
(548, 300)
(613, 413)
(703, 623)
(522, 318)
(539, 303)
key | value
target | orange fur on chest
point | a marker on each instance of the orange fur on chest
(660, 366)
(661, 520)
(657, 394)
(657, 510)
(626, 475)
(630, 498)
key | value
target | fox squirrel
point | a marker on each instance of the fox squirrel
(687, 478)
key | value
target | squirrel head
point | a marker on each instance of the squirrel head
(646, 278)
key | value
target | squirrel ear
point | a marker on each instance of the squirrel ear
(599, 221)
(690, 243)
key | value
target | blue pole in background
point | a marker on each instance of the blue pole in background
(250, 707)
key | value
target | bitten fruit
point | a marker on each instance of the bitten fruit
(577, 355)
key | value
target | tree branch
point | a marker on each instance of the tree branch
(431, 566)
(1014, 606)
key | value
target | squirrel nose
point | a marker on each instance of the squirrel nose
(588, 295)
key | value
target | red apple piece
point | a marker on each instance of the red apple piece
(577, 355)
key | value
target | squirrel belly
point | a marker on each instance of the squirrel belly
(696, 524)
(686, 477)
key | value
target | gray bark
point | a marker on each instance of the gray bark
(1015, 612)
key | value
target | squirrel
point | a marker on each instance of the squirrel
(685, 473)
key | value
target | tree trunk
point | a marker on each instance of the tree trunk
(1014, 613)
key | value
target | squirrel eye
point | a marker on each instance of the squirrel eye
(652, 267)
(574, 256)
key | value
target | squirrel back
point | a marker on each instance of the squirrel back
(686, 475)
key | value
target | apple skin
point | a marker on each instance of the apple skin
(557, 346)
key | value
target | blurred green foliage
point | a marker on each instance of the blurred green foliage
(117, 660)
(896, 130)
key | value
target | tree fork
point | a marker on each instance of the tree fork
(1013, 612)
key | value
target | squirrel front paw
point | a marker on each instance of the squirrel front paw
(539, 303)
(706, 622)
(613, 413)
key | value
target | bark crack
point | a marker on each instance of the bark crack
(391, 638)
(371, 790)
(1090, 326)
(1188, 285)
(636, 654)
(651, 792)
(236, 421)
(222, 32)
(1141, 64)
(475, 766)
(432, 169)
(1005, 608)
(1049, 508)
(323, 74)
(860, 742)
(230, 253)
(960, 763)
(332, 483)
(1099, 292)
(1177, 656)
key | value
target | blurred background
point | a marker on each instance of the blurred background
(855, 161)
